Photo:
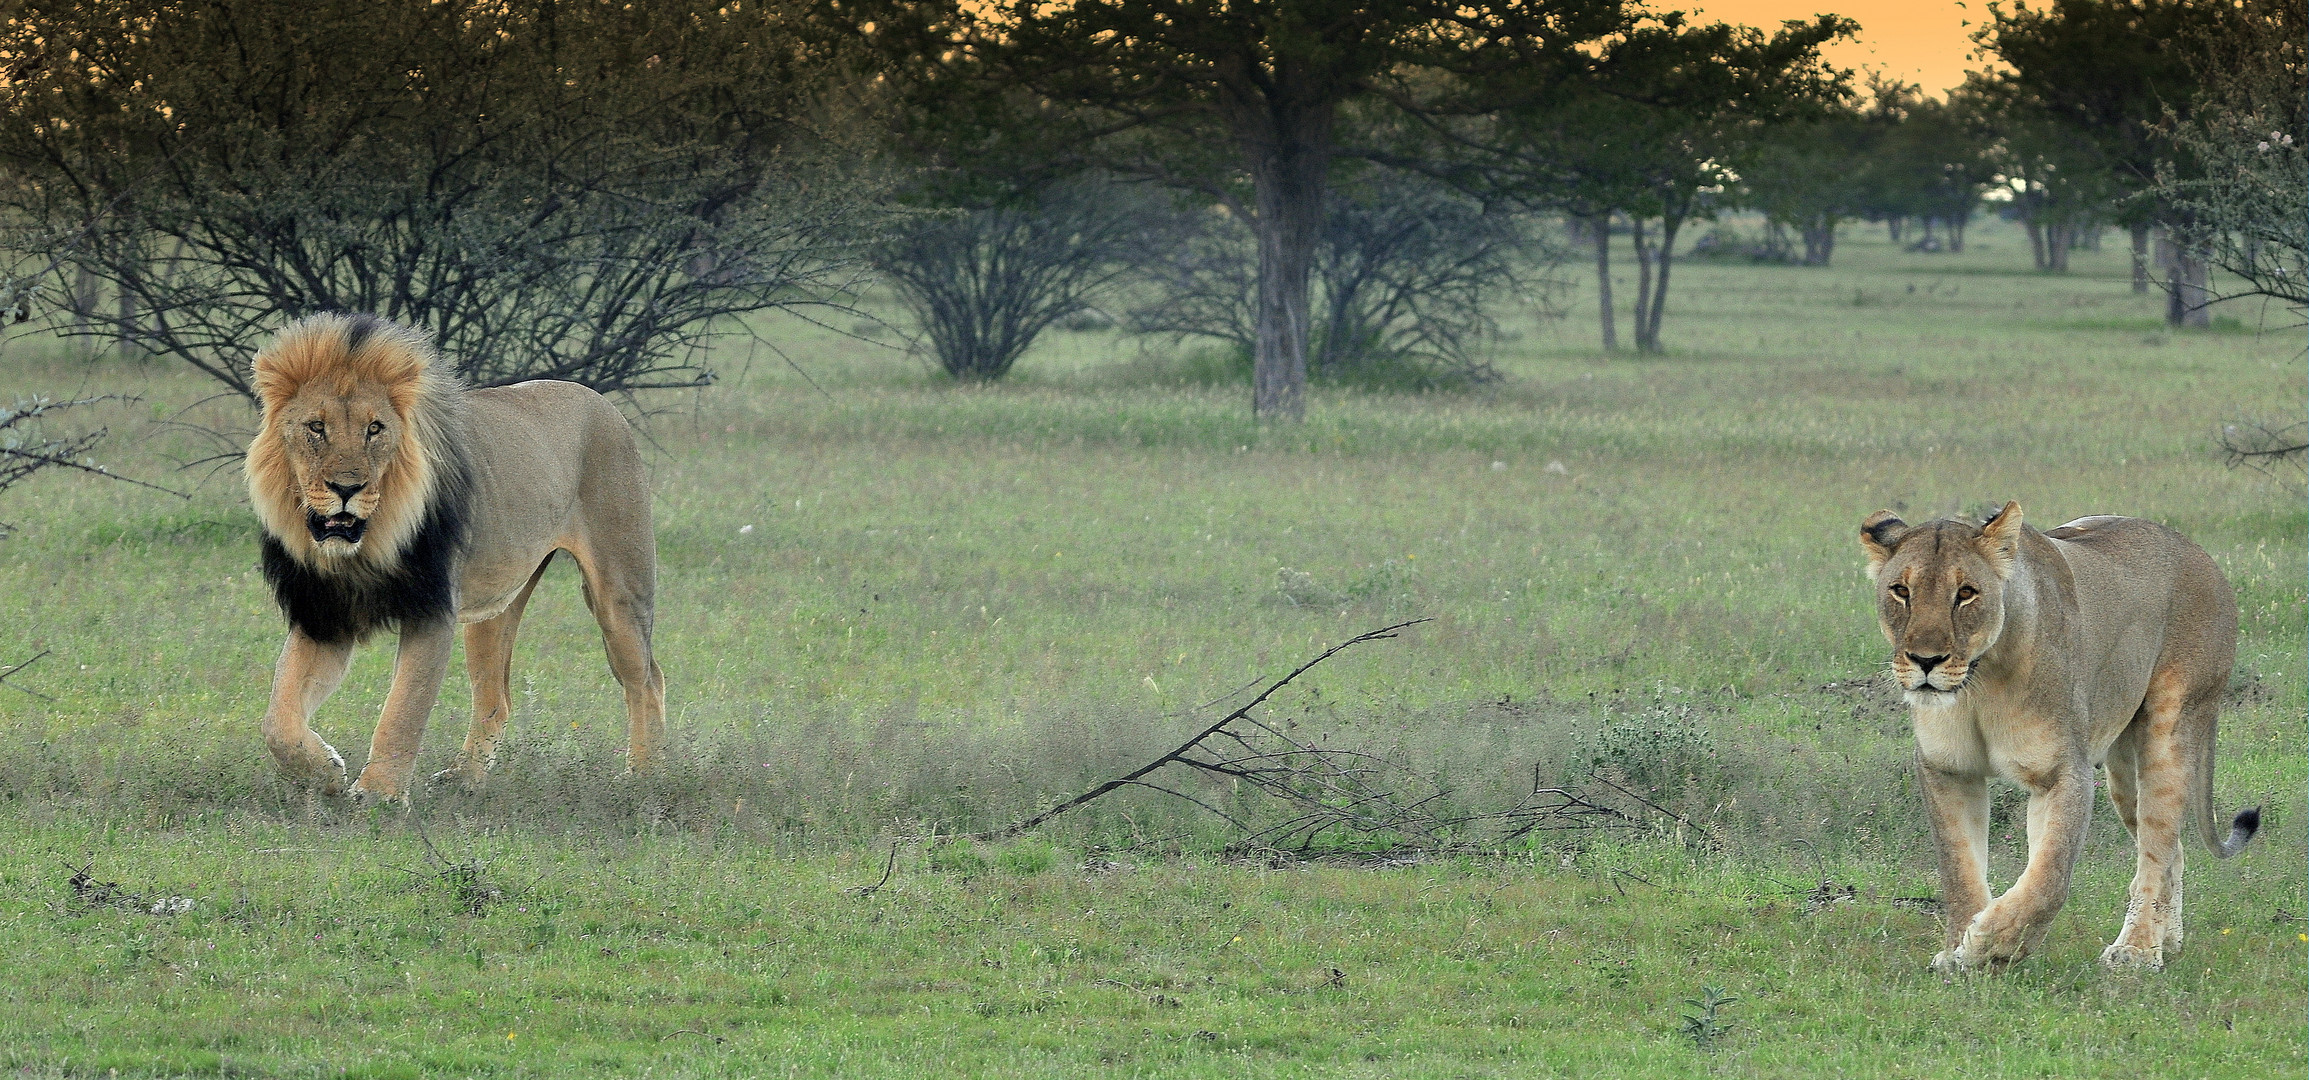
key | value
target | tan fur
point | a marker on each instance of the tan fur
(550, 466)
(2036, 657)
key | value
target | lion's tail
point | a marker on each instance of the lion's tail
(2241, 828)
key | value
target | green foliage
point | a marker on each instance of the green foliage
(957, 856)
(1027, 857)
(1704, 1024)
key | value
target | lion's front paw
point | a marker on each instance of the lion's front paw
(465, 774)
(1949, 962)
(1993, 942)
(2123, 957)
(378, 786)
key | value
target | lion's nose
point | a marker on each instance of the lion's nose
(346, 491)
(1927, 663)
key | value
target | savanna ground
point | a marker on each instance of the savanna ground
(954, 605)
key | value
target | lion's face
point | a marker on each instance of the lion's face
(1939, 596)
(342, 468)
(340, 442)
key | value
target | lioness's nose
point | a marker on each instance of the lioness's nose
(346, 491)
(1927, 663)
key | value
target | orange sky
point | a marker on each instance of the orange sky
(1925, 42)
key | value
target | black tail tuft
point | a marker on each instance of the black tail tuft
(2241, 830)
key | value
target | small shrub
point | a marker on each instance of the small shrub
(958, 856)
(1658, 749)
(1026, 857)
(1705, 1024)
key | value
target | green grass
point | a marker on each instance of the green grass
(956, 604)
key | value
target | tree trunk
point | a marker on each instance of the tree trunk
(2036, 243)
(1602, 229)
(1289, 148)
(1893, 225)
(1819, 241)
(2141, 257)
(1956, 233)
(129, 331)
(2058, 241)
(2187, 295)
(1669, 225)
(1643, 280)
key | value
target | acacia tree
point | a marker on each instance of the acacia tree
(1812, 175)
(2087, 86)
(1242, 100)
(1649, 131)
(551, 188)
(2245, 132)
(1930, 166)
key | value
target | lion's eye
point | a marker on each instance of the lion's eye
(1965, 594)
(1900, 591)
(316, 427)
(376, 427)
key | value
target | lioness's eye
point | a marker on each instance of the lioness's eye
(316, 427)
(1900, 590)
(1966, 593)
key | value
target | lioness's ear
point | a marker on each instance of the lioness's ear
(1879, 535)
(1999, 540)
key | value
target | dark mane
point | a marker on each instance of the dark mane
(336, 608)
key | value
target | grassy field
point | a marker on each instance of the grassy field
(955, 605)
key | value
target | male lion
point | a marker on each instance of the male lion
(394, 498)
(2036, 656)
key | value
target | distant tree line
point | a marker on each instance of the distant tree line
(593, 190)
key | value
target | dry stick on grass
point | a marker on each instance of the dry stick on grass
(1179, 756)
(28, 663)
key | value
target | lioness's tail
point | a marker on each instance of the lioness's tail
(2241, 828)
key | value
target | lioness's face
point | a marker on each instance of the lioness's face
(1939, 597)
(339, 443)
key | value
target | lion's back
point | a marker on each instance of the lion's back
(2133, 572)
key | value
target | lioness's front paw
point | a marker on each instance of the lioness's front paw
(2123, 957)
(1949, 962)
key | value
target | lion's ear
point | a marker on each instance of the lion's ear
(1999, 540)
(1879, 535)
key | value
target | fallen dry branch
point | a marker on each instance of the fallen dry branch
(1265, 758)
(1341, 801)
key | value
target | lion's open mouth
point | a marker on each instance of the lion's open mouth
(338, 526)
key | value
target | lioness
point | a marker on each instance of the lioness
(2036, 656)
(393, 498)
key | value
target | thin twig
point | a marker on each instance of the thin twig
(863, 891)
(21, 689)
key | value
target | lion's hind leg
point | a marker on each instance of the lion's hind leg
(622, 594)
(489, 665)
(2148, 768)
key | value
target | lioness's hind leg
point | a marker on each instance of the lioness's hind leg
(2160, 792)
(623, 599)
(489, 664)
